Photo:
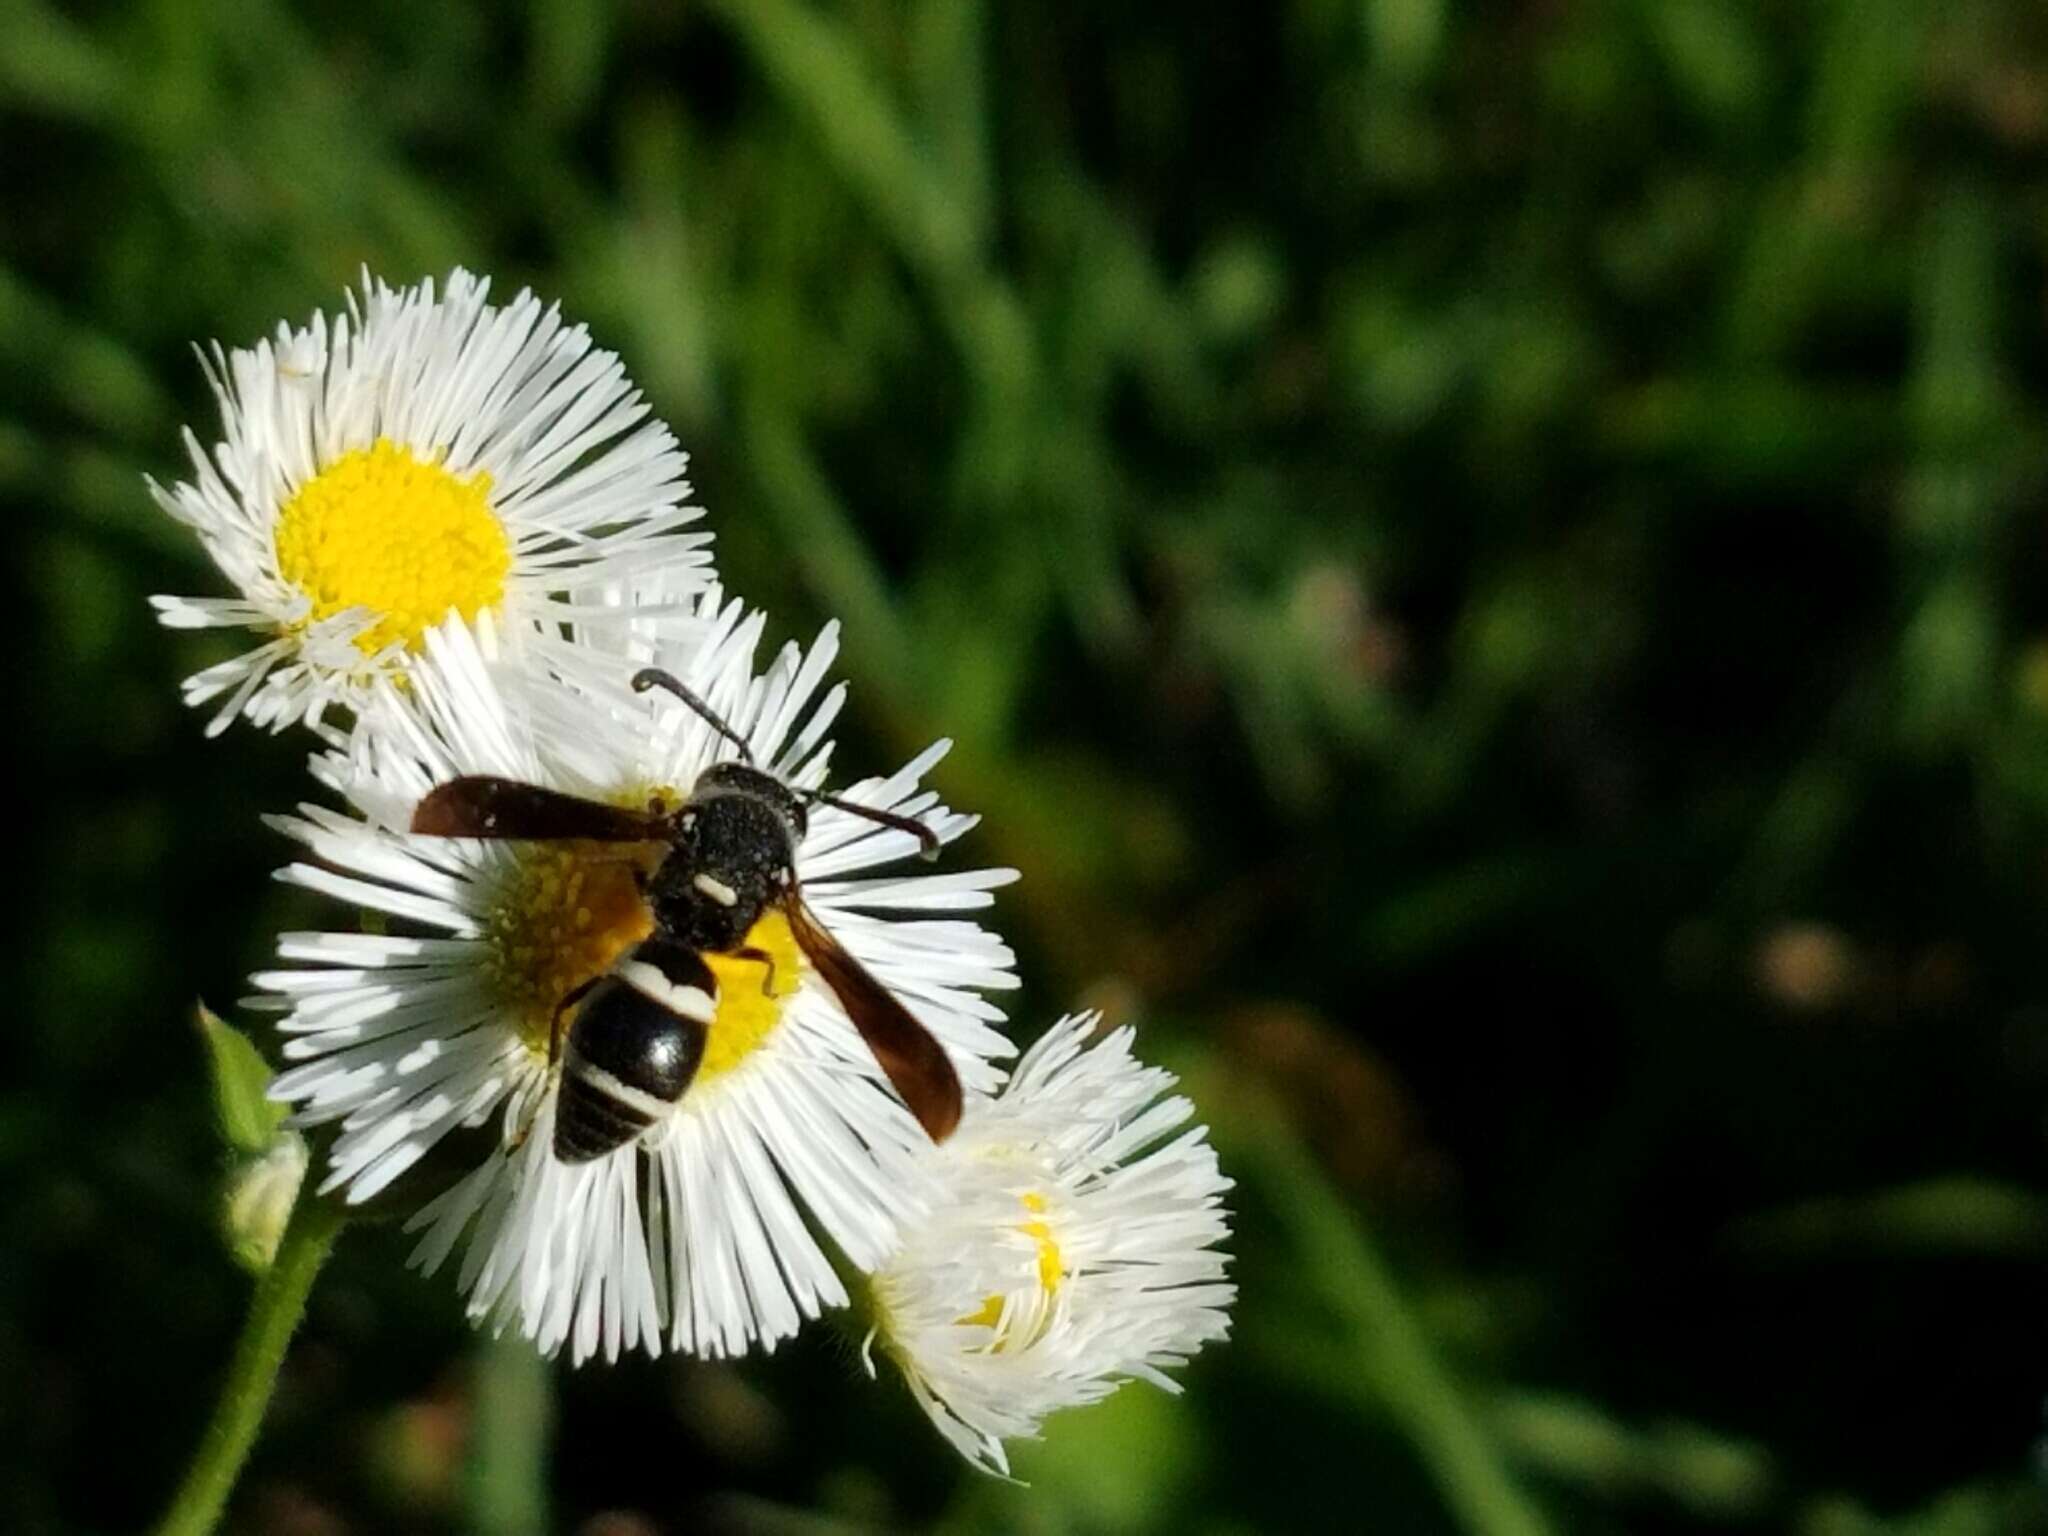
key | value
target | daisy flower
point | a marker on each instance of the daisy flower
(1072, 1247)
(704, 1235)
(419, 453)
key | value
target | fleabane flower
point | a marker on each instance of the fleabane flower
(1072, 1247)
(703, 1235)
(424, 452)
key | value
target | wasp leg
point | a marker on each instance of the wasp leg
(517, 1139)
(521, 1113)
(569, 1000)
(762, 955)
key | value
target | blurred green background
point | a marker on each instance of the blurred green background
(1487, 563)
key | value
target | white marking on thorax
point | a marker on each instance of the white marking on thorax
(717, 890)
(685, 1000)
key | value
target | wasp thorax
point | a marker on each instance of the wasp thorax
(731, 861)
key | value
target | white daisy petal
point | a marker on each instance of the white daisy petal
(423, 452)
(1071, 1247)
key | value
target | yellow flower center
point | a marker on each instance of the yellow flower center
(562, 918)
(568, 913)
(750, 994)
(1051, 1270)
(381, 530)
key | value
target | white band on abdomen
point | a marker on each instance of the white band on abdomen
(638, 1100)
(684, 1000)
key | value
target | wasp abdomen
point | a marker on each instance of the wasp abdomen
(633, 1049)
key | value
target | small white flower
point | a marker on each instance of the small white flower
(696, 1239)
(1068, 1252)
(418, 454)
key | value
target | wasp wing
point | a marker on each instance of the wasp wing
(915, 1061)
(479, 805)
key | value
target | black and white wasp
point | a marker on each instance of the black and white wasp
(729, 857)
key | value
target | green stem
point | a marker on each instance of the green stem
(274, 1314)
(506, 1474)
(1394, 1353)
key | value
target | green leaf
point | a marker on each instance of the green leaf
(248, 1120)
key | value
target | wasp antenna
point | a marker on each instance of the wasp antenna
(668, 682)
(928, 840)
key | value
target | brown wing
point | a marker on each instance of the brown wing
(915, 1062)
(478, 805)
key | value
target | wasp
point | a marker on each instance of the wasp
(723, 858)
